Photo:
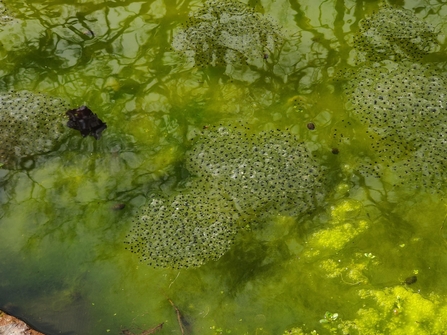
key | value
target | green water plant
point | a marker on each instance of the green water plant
(329, 317)
(346, 224)
(235, 178)
(227, 32)
(31, 123)
(395, 34)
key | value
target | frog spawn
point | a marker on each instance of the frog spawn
(227, 32)
(31, 124)
(394, 34)
(271, 170)
(5, 15)
(184, 230)
(401, 103)
(236, 178)
(404, 106)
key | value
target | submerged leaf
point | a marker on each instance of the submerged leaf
(86, 122)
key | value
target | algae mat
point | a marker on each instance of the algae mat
(268, 167)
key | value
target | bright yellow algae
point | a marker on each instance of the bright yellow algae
(340, 229)
(396, 310)
(393, 310)
(403, 311)
(351, 273)
(337, 237)
(346, 207)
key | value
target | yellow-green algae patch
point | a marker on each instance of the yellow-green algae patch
(342, 228)
(395, 310)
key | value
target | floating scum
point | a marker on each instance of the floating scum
(235, 178)
(227, 32)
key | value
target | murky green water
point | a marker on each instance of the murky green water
(63, 263)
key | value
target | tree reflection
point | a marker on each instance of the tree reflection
(116, 57)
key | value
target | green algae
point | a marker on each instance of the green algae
(63, 257)
(395, 310)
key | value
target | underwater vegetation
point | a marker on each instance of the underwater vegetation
(395, 34)
(234, 176)
(396, 308)
(393, 310)
(227, 32)
(31, 124)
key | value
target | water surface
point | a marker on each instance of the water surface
(63, 263)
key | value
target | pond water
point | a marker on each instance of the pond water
(349, 266)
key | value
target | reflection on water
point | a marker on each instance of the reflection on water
(63, 263)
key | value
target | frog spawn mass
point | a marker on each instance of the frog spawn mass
(184, 230)
(235, 178)
(5, 15)
(401, 103)
(271, 170)
(404, 106)
(227, 32)
(394, 34)
(31, 124)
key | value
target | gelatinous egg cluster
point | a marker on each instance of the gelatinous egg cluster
(227, 32)
(394, 34)
(30, 124)
(235, 177)
(5, 15)
(185, 230)
(404, 106)
(267, 171)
